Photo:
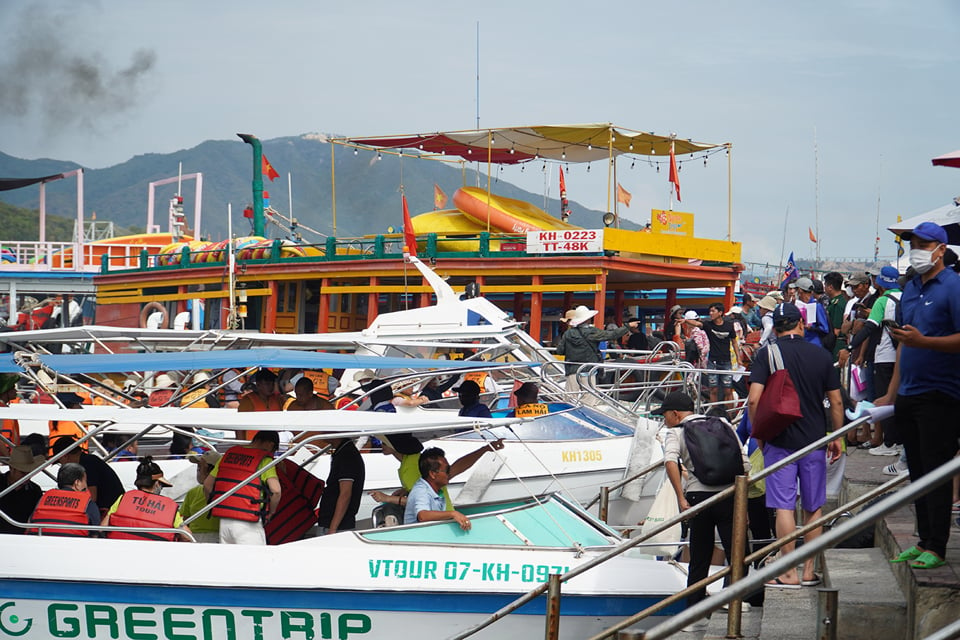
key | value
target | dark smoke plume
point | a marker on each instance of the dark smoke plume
(41, 73)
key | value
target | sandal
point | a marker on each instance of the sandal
(910, 554)
(817, 579)
(780, 584)
(927, 560)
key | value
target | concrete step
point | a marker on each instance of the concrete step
(789, 614)
(870, 599)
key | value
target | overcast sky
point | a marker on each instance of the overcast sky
(871, 84)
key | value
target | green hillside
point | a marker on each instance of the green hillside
(24, 225)
(368, 196)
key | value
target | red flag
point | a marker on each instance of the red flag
(409, 237)
(813, 238)
(674, 174)
(267, 169)
(564, 203)
(439, 197)
(623, 195)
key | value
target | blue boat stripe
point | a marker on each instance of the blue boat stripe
(259, 598)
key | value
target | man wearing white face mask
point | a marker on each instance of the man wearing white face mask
(926, 385)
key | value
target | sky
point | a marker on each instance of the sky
(833, 108)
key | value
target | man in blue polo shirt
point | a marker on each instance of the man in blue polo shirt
(926, 385)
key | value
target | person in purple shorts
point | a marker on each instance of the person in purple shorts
(814, 376)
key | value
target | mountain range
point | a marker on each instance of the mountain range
(367, 187)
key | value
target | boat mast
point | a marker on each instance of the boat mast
(816, 194)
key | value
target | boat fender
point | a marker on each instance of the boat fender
(151, 308)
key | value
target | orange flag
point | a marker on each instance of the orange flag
(439, 197)
(674, 174)
(623, 195)
(409, 237)
(267, 169)
(813, 238)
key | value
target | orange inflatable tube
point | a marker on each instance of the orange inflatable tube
(505, 214)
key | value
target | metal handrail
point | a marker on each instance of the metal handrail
(663, 526)
(738, 590)
(626, 481)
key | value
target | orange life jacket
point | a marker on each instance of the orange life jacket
(187, 399)
(62, 506)
(273, 403)
(532, 410)
(480, 377)
(238, 464)
(321, 382)
(11, 431)
(60, 428)
(141, 509)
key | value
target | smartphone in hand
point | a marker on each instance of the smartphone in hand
(890, 324)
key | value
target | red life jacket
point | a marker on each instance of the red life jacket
(238, 464)
(141, 509)
(300, 493)
(62, 506)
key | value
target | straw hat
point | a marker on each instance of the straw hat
(580, 315)
(163, 381)
(22, 459)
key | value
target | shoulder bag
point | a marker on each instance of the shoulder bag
(779, 405)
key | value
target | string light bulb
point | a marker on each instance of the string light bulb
(354, 151)
(589, 147)
(379, 156)
(563, 156)
(631, 146)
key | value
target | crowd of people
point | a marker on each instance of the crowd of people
(246, 515)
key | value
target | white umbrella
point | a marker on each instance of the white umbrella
(947, 217)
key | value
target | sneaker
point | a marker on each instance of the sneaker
(744, 607)
(896, 469)
(884, 450)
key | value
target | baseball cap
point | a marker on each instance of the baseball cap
(786, 312)
(927, 231)
(888, 278)
(857, 278)
(691, 315)
(210, 457)
(805, 284)
(468, 387)
(674, 401)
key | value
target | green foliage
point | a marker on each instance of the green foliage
(24, 225)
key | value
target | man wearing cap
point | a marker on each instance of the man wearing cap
(581, 343)
(678, 414)
(469, 395)
(19, 503)
(241, 512)
(814, 376)
(693, 339)
(10, 429)
(884, 353)
(206, 528)
(101, 480)
(144, 507)
(815, 320)
(926, 385)
(855, 312)
(750, 313)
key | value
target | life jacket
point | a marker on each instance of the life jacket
(141, 509)
(321, 382)
(296, 513)
(160, 397)
(187, 399)
(238, 464)
(273, 403)
(59, 428)
(343, 401)
(11, 431)
(532, 410)
(62, 506)
(480, 377)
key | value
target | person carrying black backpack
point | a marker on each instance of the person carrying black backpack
(708, 448)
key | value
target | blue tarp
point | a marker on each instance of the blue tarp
(228, 359)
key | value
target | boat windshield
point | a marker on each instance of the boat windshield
(551, 524)
(564, 422)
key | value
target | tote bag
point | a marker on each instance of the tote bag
(663, 508)
(779, 405)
